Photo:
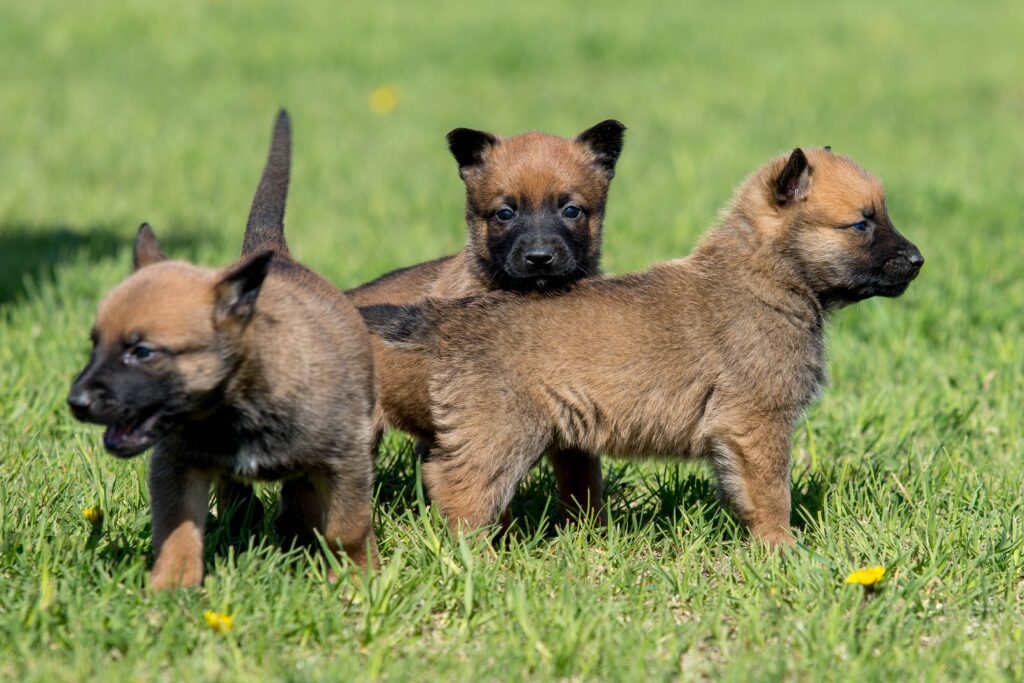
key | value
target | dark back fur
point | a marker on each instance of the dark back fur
(264, 231)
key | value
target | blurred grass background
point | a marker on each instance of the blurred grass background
(112, 113)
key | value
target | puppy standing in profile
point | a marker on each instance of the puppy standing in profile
(716, 355)
(260, 371)
(534, 211)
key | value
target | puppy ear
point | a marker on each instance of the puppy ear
(468, 147)
(794, 183)
(605, 141)
(236, 292)
(147, 249)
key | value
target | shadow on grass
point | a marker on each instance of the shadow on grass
(31, 253)
(635, 497)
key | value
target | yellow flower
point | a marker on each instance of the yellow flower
(93, 515)
(383, 100)
(868, 576)
(219, 622)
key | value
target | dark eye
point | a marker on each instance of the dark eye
(505, 214)
(860, 226)
(140, 353)
(571, 212)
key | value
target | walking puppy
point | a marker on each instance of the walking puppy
(715, 355)
(260, 371)
(534, 212)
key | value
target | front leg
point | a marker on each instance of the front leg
(180, 499)
(753, 475)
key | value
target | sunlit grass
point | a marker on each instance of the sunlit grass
(118, 113)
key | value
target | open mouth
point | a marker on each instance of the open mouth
(130, 438)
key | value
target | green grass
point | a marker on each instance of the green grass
(117, 113)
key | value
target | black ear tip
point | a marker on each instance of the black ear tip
(462, 136)
(613, 125)
(145, 234)
(454, 134)
(828, 148)
(467, 145)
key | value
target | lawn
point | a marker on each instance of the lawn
(115, 113)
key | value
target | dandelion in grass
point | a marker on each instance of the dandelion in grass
(868, 576)
(383, 100)
(218, 621)
(93, 515)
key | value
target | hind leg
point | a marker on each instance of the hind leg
(337, 504)
(239, 506)
(579, 481)
(472, 483)
(301, 513)
(347, 499)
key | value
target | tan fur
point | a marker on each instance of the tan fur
(531, 167)
(714, 356)
(305, 345)
(259, 371)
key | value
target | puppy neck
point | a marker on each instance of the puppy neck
(741, 253)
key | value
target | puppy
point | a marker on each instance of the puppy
(534, 212)
(716, 355)
(259, 371)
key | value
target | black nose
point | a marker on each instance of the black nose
(538, 257)
(80, 400)
(915, 258)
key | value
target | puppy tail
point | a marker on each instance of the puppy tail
(410, 327)
(265, 228)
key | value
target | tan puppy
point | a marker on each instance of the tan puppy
(715, 355)
(259, 371)
(534, 213)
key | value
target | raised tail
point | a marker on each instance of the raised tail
(265, 229)
(410, 327)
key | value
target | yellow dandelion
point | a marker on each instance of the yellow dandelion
(218, 621)
(383, 100)
(93, 515)
(868, 576)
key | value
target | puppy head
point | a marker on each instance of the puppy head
(829, 217)
(535, 202)
(164, 342)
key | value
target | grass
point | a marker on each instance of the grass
(114, 113)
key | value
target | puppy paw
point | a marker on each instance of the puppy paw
(188, 575)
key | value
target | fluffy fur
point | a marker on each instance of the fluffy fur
(713, 356)
(522, 236)
(259, 371)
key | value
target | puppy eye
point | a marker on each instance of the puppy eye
(140, 353)
(572, 212)
(860, 226)
(505, 214)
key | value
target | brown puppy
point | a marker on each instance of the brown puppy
(534, 212)
(715, 355)
(260, 371)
